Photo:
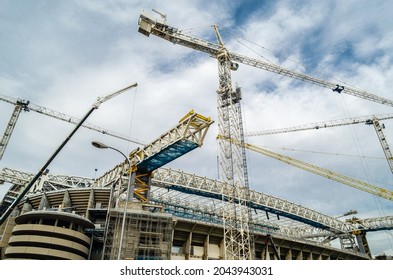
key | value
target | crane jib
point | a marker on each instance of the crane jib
(149, 26)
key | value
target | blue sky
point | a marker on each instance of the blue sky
(64, 54)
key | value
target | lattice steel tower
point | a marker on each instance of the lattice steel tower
(232, 162)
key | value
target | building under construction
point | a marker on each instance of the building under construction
(142, 210)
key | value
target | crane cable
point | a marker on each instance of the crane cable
(294, 61)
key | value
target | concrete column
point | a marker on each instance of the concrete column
(188, 246)
(263, 254)
(278, 252)
(222, 248)
(265, 251)
(205, 255)
(289, 255)
(300, 256)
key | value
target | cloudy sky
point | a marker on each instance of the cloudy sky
(64, 54)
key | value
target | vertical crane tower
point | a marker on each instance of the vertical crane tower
(232, 161)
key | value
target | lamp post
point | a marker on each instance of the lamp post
(129, 192)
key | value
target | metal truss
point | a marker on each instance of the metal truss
(194, 184)
(352, 182)
(64, 117)
(198, 187)
(384, 143)
(11, 125)
(48, 182)
(320, 125)
(372, 224)
(188, 134)
(148, 25)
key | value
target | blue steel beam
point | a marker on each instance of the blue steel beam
(166, 155)
(187, 135)
(252, 205)
(202, 186)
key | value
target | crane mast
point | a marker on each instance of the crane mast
(232, 161)
(382, 139)
(19, 105)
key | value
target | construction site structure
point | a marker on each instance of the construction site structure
(188, 211)
(232, 160)
(132, 231)
(47, 234)
(141, 210)
(148, 234)
(347, 240)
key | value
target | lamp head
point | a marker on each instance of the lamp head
(99, 145)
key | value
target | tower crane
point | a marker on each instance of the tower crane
(27, 106)
(147, 26)
(231, 160)
(368, 120)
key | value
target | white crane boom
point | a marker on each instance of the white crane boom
(67, 118)
(318, 125)
(369, 120)
(147, 26)
(378, 191)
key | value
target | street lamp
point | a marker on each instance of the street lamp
(350, 212)
(129, 193)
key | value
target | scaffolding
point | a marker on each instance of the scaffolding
(147, 235)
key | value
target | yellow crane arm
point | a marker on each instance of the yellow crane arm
(355, 183)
